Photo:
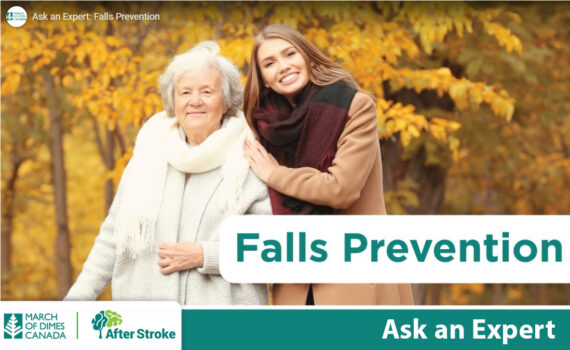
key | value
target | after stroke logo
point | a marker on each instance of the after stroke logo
(107, 319)
(13, 326)
(107, 322)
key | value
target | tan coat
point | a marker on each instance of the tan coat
(352, 186)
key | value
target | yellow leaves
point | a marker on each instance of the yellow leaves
(476, 96)
(67, 80)
(516, 293)
(402, 197)
(120, 165)
(504, 107)
(105, 80)
(433, 21)
(39, 36)
(11, 76)
(238, 50)
(460, 20)
(319, 37)
(149, 110)
(207, 12)
(504, 36)
(93, 107)
(10, 84)
(454, 143)
(41, 62)
(65, 41)
(13, 68)
(459, 93)
(461, 294)
(80, 53)
(514, 16)
(384, 42)
(396, 118)
(288, 14)
(440, 129)
(112, 41)
(465, 93)
(336, 11)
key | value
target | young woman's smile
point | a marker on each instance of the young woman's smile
(289, 79)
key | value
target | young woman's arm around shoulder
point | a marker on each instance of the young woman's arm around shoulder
(358, 149)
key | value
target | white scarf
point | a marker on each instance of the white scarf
(161, 142)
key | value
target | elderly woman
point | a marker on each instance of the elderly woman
(187, 173)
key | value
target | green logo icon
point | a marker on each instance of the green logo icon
(16, 16)
(13, 326)
(107, 319)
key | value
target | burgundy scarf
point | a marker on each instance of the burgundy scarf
(303, 136)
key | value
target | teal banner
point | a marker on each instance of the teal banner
(419, 328)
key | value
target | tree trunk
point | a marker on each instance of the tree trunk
(107, 153)
(62, 244)
(8, 198)
(419, 292)
(430, 179)
(541, 294)
(498, 294)
(110, 164)
(435, 293)
(430, 192)
(222, 10)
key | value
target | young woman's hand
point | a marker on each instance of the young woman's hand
(261, 162)
(180, 256)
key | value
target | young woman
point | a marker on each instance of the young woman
(319, 150)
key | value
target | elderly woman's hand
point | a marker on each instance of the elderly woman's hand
(180, 256)
(262, 163)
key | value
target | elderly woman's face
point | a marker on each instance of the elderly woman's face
(199, 103)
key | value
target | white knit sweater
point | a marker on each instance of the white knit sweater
(199, 219)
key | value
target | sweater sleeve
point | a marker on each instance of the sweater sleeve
(98, 267)
(256, 201)
(211, 258)
(341, 185)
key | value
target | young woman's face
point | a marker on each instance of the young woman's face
(283, 69)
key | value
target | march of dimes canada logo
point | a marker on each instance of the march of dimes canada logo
(13, 327)
(16, 16)
(33, 326)
(107, 323)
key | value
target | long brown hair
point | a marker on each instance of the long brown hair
(322, 71)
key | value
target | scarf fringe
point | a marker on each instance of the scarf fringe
(139, 235)
(236, 166)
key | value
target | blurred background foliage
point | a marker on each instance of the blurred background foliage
(472, 103)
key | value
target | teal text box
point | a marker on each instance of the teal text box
(363, 328)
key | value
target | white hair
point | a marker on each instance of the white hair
(198, 59)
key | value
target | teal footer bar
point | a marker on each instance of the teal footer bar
(376, 328)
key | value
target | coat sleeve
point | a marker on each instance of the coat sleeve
(98, 267)
(342, 184)
(256, 202)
